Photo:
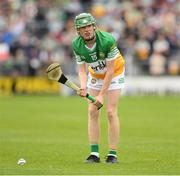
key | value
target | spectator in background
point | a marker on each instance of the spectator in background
(4, 52)
(161, 45)
(158, 59)
(46, 26)
(174, 64)
(173, 67)
(157, 63)
(142, 52)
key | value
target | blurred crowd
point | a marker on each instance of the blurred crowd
(35, 33)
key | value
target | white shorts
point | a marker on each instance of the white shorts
(117, 82)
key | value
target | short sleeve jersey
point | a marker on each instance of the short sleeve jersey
(104, 50)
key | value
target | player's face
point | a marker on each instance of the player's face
(87, 32)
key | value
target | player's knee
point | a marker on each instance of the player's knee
(93, 110)
(110, 114)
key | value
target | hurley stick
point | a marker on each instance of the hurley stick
(55, 73)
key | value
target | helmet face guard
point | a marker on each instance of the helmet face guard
(84, 19)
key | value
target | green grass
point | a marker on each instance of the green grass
(50, 132)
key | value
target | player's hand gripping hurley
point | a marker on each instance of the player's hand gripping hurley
(55, 73)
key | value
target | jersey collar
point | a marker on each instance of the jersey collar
(92, 48)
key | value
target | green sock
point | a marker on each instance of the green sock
(95, 148)
(112, 152)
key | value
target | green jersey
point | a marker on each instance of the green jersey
(104, 50)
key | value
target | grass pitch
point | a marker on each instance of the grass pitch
(50, 132)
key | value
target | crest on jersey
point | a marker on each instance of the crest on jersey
(93, 81)
(101, 55)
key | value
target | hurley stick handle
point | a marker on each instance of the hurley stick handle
(97, 103)
(90, 98)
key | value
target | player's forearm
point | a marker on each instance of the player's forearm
(82, 75)
(83, 79)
